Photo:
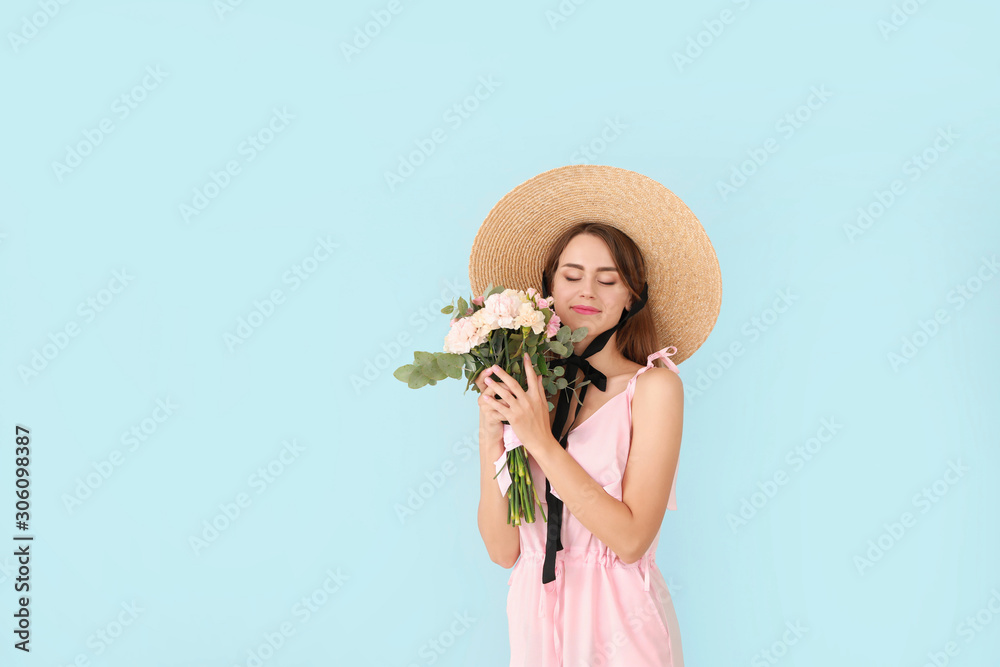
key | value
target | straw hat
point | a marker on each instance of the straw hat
(685, 284)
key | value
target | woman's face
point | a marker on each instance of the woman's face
(587, 288)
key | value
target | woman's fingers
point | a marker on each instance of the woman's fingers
(489, 403)
(488, 394)
(481, 380)
(500, 388)
(507, 383)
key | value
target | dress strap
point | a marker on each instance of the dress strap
(664, 354)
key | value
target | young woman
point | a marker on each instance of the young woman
(585, 588)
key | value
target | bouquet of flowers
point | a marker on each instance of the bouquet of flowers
(499, 327)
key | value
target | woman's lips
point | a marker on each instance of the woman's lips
(584, 310)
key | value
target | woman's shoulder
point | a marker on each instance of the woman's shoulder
(656, 393)
(660, 381)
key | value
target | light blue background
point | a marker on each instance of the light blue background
(318, 370)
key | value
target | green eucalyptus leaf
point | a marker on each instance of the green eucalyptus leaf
(403, 373)
(558, 348)
(451, 364)
(427, 363)
(418, 380)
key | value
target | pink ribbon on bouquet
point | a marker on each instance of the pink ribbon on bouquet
(510, 441)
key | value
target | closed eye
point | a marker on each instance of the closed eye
(573, 280)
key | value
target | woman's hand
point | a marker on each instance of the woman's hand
(489, 418)
(527, 412)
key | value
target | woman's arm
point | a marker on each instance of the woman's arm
(628, 526)
(503, 541)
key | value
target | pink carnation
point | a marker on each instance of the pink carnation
(463, 335)
(538, 299)
(503, 307)
(553, 327)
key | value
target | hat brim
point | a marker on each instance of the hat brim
(685, 282)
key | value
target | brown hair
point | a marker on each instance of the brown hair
(636, 339)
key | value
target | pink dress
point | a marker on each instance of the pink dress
(599, 610)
